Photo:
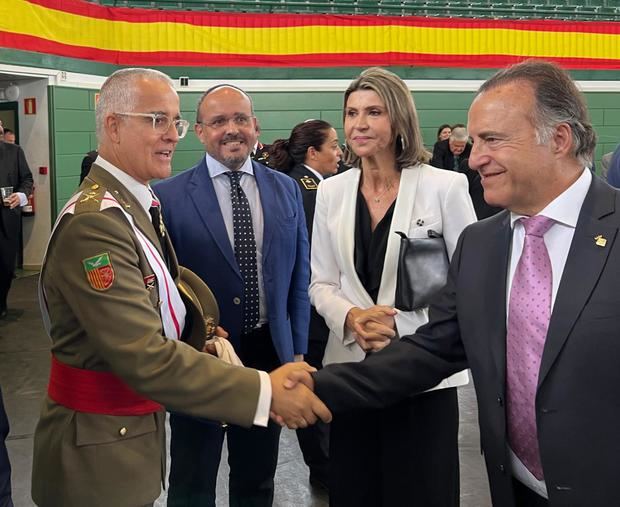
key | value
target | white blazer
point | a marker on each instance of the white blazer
(428, 198)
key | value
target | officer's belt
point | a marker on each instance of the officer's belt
(95, 392)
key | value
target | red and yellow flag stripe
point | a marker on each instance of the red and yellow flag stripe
(124, 36)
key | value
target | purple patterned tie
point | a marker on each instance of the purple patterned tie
(529, 311)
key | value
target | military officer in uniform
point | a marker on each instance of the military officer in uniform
(310, 154)
(117, 321)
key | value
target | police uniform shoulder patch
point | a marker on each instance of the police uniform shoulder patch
(309, 183)
(99, 271)
(90, 199)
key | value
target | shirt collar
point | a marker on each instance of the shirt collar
(139, 190)
(565, 208)
(217, 168)
(315, 172)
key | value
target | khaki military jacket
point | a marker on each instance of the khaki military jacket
(83, 459)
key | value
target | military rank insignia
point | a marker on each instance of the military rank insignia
(99, 271)
(149, 282)
(309, 183)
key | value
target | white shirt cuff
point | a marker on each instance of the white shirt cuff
(261, 418)
(23, 200)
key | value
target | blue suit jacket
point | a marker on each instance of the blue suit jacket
(196, 227)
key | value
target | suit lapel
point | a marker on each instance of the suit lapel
(401, 219)
(497, 248)
(202, 193)
(584, 265)
(268, 200)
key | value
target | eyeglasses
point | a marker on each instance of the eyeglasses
(240, 120)
(162, 122)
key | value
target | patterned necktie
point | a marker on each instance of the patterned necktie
(529, 311)
(160, 230)
(455, 163)
(245, 250)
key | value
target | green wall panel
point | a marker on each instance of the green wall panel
(72, 143)
(612, 117)
(73, 120)
(71, 98)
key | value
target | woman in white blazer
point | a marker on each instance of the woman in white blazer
(406, 455)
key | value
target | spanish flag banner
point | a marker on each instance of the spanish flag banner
(131, 36)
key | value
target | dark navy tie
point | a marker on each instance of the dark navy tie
(245, 250)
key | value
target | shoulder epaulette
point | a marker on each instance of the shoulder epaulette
(90, 199)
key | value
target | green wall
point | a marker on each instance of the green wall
(72, 119)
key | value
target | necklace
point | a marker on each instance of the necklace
(377, 197)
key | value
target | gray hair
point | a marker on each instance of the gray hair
(401, 111)
(459, 134)
(118, 92)
(557, 101)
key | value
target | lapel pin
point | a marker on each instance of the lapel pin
(600, 240)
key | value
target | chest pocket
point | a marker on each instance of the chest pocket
(420, 226)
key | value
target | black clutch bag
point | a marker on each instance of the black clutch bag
(422, 270)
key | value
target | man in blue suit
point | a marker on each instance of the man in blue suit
(241, 227)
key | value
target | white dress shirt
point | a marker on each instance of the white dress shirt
(564, 210)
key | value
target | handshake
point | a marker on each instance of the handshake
(293, 401)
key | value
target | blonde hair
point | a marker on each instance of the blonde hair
(393, 91)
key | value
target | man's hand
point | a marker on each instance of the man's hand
(13, 200)
(209, 347)
(295, 406)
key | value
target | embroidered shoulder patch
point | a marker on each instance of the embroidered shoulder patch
(309, 183)
(99, 271)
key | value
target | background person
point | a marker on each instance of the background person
(406, 454)
(240, 226)
(448, 154)
(9, 136)
(14, 174)
(443, 132)
(311, 153)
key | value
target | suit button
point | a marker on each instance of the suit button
(500, 401)
(237, 301)
(123, 431)
(502, 468)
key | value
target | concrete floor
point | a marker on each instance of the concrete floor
(24, 360)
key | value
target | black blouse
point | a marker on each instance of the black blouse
(370, 246)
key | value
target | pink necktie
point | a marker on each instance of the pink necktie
(529, 311)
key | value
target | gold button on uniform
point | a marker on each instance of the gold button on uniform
(123, 431)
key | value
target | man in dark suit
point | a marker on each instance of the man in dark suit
(15, 173)
(531, 303)
(448, 154)
(240, 226)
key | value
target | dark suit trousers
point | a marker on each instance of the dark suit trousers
(196, 447)
(314, 440)
(5, 466)
(405, 455)
(8, 256)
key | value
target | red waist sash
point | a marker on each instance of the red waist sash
(95, 392)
